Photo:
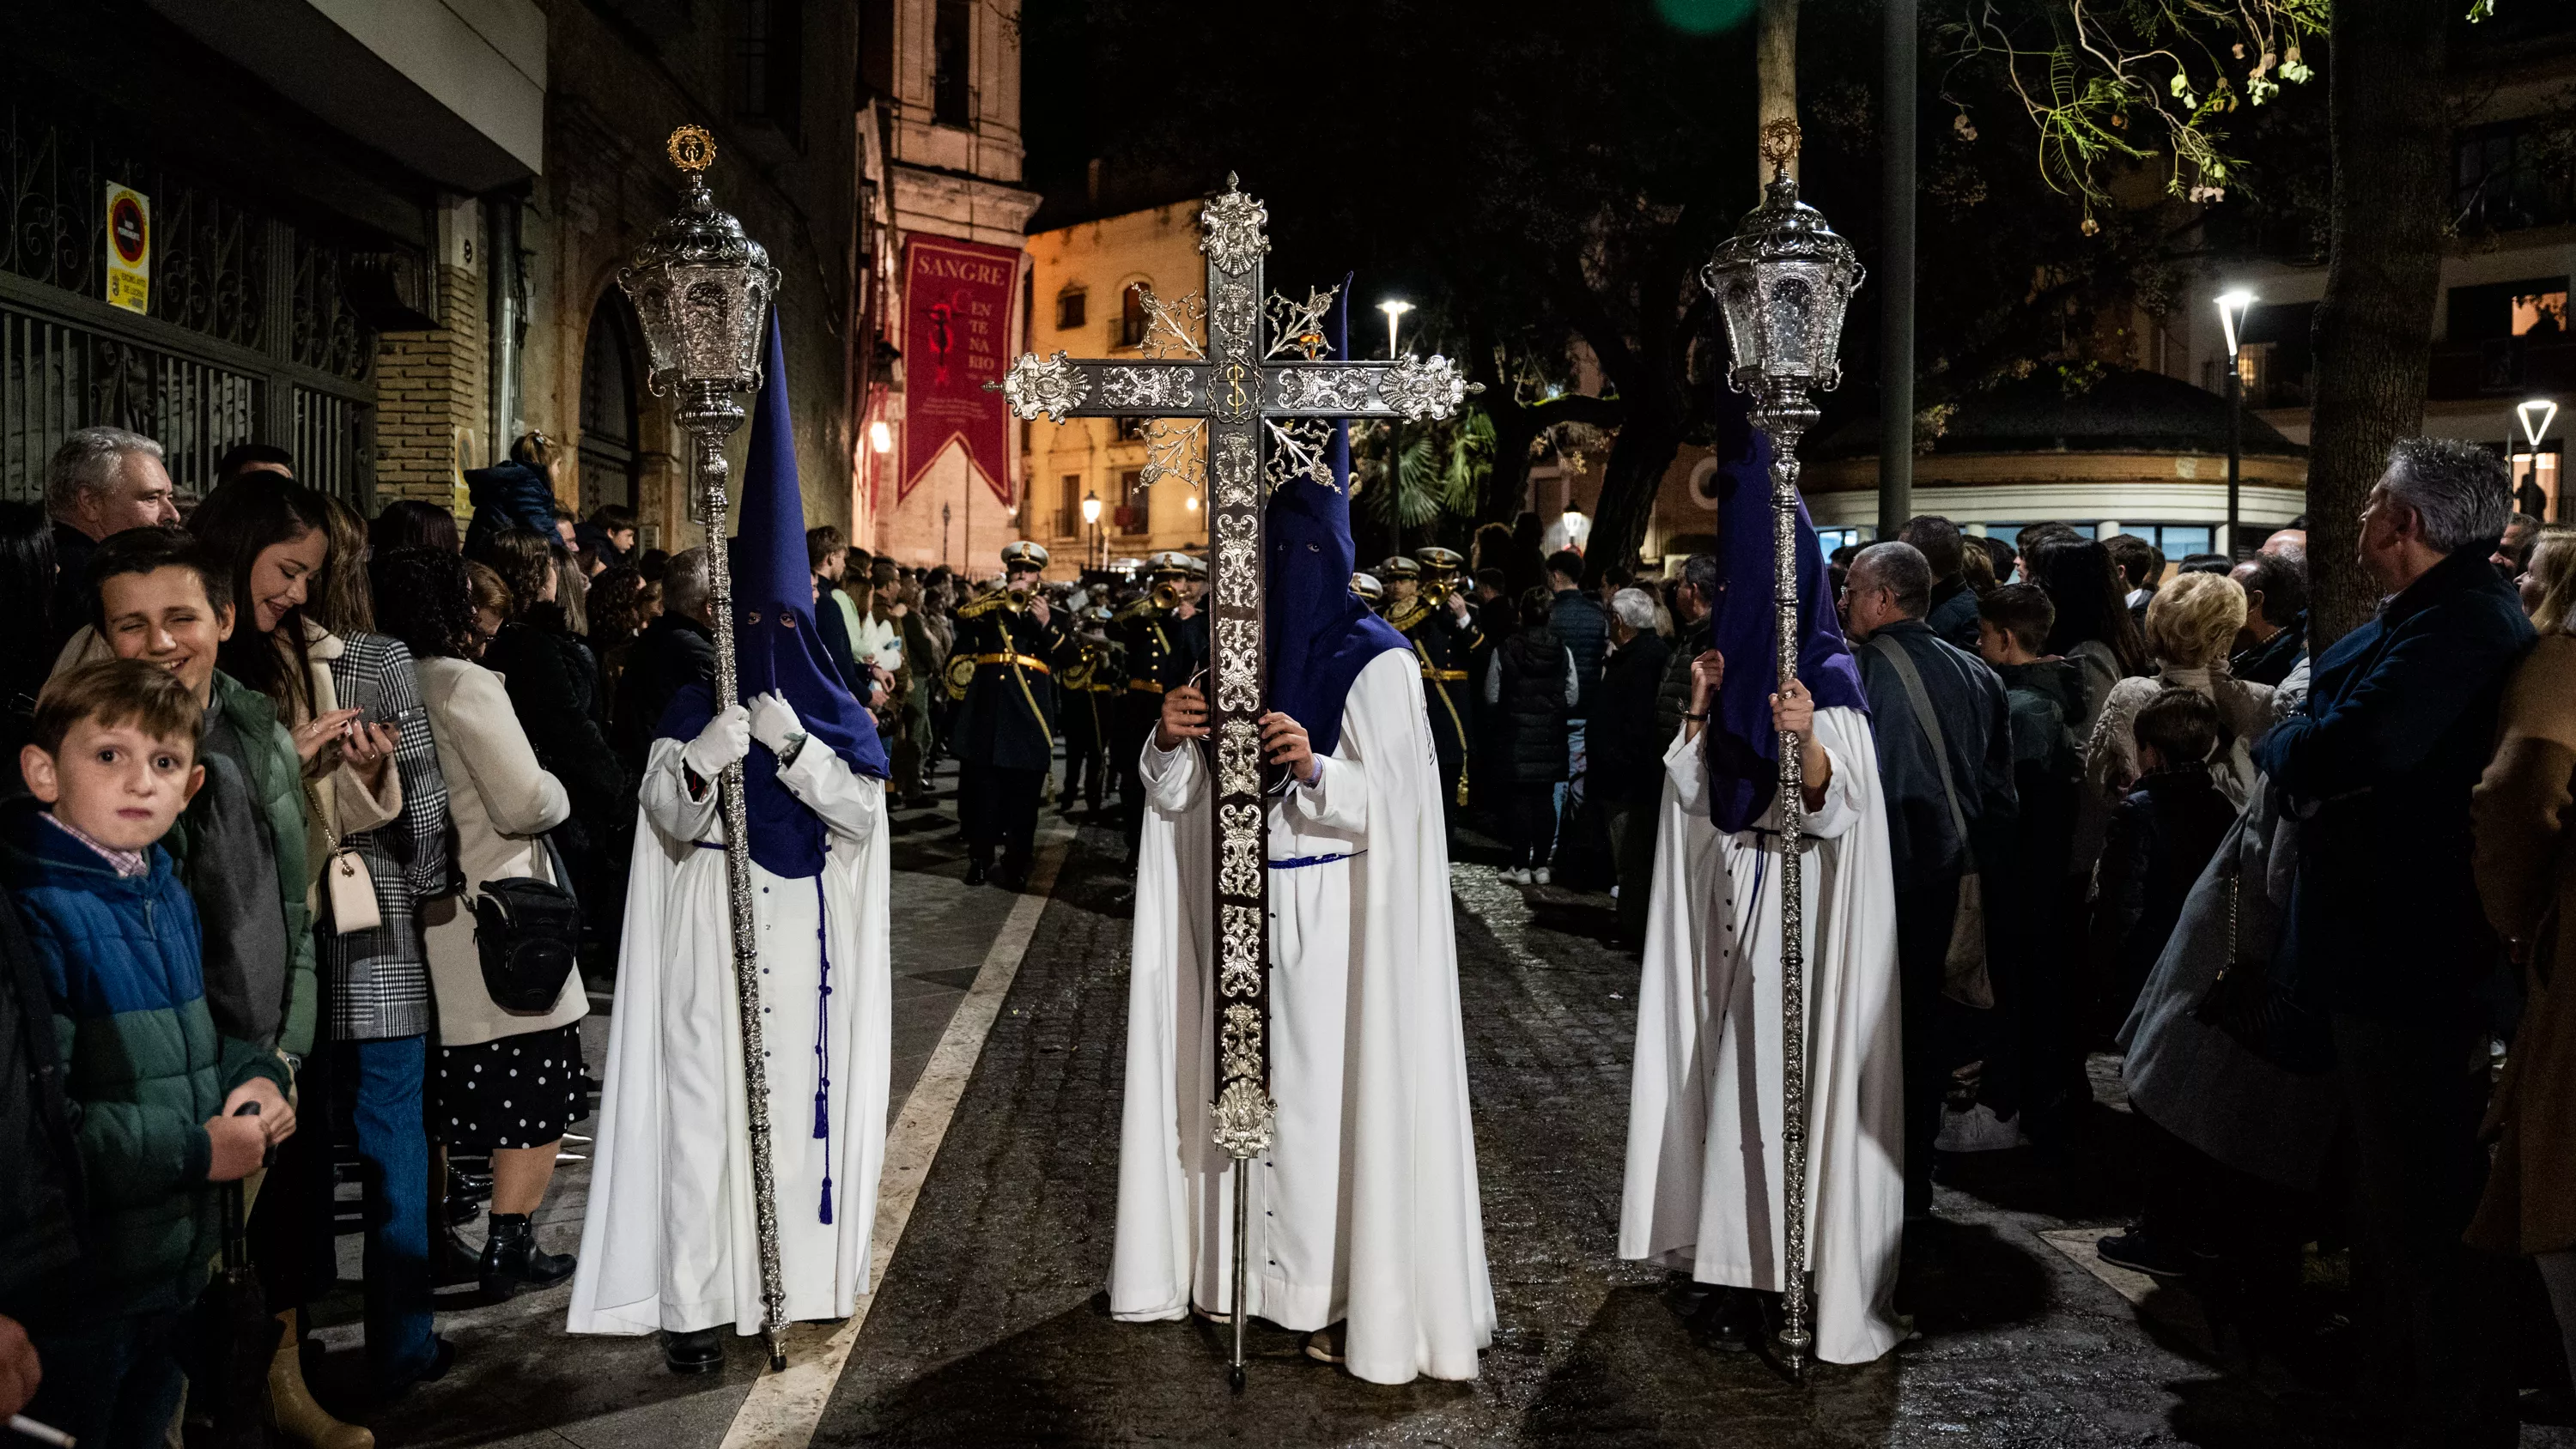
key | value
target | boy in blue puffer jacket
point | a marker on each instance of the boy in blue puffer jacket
(155, 1091)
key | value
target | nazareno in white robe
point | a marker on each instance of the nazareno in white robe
(1703, 1190)
(669, 1241)
(1365, 1208)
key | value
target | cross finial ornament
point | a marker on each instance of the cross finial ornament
(1780, 139)
(691, 148)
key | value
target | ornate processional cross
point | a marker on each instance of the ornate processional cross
(1256, 403)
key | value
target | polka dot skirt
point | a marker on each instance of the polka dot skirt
(519, 1091)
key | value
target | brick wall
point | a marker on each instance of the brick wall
(433, 398)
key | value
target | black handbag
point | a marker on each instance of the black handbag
(527, 933)
(236, 1337)
(2248, 1002)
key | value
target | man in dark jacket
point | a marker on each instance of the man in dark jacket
(2385, 930)
(519, 493)
(101, 481)
(1578, 624)
(1953, 614)
(1884, 600)
(678, 647)
(1007, 642)
(2276, 618)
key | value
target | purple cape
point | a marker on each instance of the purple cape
(776, 644)
(1743, 749)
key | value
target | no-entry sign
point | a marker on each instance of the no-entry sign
(129, 248)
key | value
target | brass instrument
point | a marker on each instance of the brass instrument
(1166, 596)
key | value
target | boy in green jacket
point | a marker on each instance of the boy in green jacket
(160, 1100)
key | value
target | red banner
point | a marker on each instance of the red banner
(957, 300)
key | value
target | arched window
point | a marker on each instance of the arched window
(1069, 308)
(608, 441)
(1131, 316)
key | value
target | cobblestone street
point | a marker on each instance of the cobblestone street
(991, 1327)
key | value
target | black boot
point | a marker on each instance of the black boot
(979, 865)
(698, 1351)
(512, 1260)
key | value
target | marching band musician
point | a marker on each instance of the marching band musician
(1094, 680)
(1003, 676)
(1435, 620)
(1371, 592)
(1402, 578)
(1162, 652)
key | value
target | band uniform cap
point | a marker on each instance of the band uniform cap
(1438, 560)
(1198, 566)
(1367, 587)
(1099, 614)
(1023, 555)
(1399, 567)
(1171, 563)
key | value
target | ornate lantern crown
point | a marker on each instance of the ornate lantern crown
(1782, 282)
(700, 287)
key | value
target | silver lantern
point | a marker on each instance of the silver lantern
(1782, 282)
(702, 290)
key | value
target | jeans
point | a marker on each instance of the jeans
(113, 1384)
(384, 1082)
(1569, 791)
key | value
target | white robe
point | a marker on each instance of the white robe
(1365, 1208)
(669, 1240)
(1703, 1188)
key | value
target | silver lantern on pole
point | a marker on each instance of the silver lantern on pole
(702, 290)
(1782, 283)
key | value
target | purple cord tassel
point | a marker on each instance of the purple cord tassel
(823, 1044)
(827, 1201)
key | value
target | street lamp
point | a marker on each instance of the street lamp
(1782, 283)
(880, 437)
(701, 291)
(1393, 310)
(2232, 307)
(2537, 415)
(1575, 526)
(1091, 519)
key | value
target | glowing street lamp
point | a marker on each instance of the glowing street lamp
(2536, 416)
(1393, 310)
(880, 437)
(2232, 307)
(1091, 518)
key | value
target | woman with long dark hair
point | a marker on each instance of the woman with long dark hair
(504, 1082)
(2094, 628)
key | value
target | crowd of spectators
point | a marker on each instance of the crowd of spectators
(266, 756)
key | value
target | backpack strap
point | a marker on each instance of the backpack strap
(1894, 653)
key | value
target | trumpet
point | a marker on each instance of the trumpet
(1166, 596)
(1019, 597)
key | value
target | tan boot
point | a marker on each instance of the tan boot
(298, 1417)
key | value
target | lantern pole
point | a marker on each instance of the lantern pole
(1782, 283)
(702, 291)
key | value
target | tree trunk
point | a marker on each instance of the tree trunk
(2389, 118)
(1775, 67)
(1645, 447)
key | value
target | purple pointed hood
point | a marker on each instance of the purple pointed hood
(1743, 749)
(776, 646)
(1320, 634)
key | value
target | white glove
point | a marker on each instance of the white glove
(725, 740)
(774, 723)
